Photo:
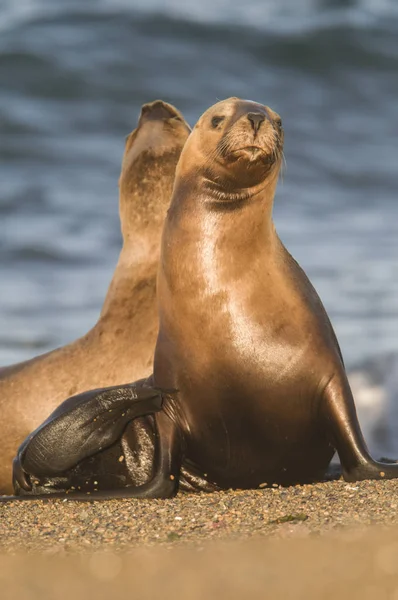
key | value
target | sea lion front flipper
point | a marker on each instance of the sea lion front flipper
(164, 483)
(80, 427)
(342, 424)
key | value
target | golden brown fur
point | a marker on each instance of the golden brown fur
(243, 335)
(262, 395)
(119, 348)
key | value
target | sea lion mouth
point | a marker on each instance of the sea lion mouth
(250, 152)
(254, 154)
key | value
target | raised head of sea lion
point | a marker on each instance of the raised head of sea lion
(262, 396)
(119, 348)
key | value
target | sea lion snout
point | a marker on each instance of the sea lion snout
(157, 110)
(253, 136)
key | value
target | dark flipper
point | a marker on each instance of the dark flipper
(129, 461)
(163, 484)
(81, 427)
(343, 427)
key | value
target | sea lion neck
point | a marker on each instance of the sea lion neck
(201, 208)
(145, 188)
(202, 242)
(143, 201)
(136, 268)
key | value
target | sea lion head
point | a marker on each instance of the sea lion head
(237, 147)
(150, 157)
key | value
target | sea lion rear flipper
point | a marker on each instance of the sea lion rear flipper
(81, 426)
(345, 434)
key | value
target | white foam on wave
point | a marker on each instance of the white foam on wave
(391, 406)
(375, 389)
(283, 16)
(371, 401)
(266, 13)
(13, 12)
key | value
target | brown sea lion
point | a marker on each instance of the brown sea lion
(119, 348)
(263, 396)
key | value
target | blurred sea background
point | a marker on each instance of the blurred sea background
(73, 75)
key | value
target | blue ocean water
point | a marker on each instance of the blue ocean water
(73, 75)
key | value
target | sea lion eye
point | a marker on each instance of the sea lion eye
(216, 121)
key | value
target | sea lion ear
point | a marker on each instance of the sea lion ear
(80, 427)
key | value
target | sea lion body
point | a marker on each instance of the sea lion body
(119, 348)
(248, 376)
(261, 396)
(244, 338)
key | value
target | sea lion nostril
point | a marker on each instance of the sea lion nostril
(256, 119)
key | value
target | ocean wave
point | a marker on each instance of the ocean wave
(73, 75)
(285, 16)
(295, 23)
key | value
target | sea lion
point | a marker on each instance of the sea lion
(262, 394)
(119, 348)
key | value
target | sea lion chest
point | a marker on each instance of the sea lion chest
(248, 359)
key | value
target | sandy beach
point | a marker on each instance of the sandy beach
(330, 540)
(58, 526)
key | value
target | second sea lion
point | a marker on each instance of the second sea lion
(119, 348)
